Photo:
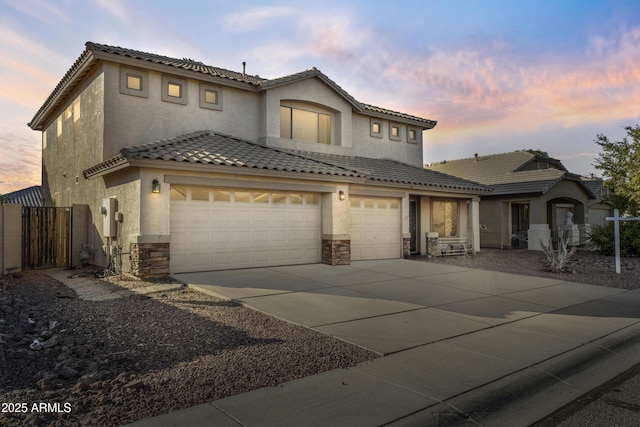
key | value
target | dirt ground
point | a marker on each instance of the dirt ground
(71, 362)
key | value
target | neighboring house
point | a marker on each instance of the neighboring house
(600, 207)
(529, 192)
(188, 167)
(31, 197)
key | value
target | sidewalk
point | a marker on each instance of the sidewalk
(462, 346)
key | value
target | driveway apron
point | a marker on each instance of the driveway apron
(459, 345)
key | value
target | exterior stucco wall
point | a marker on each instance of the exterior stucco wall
(239, 116)
(314, 92)
(79, 147)
(569, 192)
(366, 145)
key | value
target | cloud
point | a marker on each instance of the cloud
(19, 162)
(43, 11)
(255, 19)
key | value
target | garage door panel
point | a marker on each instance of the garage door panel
(230, 234)
(376, 229)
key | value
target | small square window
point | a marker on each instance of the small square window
(413, 136)
(174, 90)
(376, 128)
(134, 82)
(210, 97)
(394, 132)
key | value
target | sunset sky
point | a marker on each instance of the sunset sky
(497, 75)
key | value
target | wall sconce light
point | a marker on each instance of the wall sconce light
(341, 195)
(155, 186)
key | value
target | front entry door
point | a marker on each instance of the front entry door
(413, 225)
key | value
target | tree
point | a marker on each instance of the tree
(619, 162)
(620, 166)
(539, 153)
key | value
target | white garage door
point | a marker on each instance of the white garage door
(219, 229)
(376, 228)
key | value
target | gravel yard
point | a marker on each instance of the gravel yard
(583, 267)
(111, 362)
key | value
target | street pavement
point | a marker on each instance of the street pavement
(459, 346)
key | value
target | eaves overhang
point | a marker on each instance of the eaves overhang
(60, 93)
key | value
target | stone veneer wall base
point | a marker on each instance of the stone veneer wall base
(149, 259)
(406, 247)
(336, 252)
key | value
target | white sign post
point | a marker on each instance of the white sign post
(616, 232)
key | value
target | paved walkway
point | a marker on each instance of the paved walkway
(90, 289)
(460, 345)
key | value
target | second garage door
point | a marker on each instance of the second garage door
(376, 228)
(215, 229)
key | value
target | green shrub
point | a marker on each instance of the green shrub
(603, 238)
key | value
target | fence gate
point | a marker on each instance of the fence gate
(46, 237)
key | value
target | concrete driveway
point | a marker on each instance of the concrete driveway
(460, 345)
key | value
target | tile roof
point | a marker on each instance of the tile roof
(95, 51)
(184, 63)
(497, 169)
(385, 170)
(207, 147)
(31, 196)
(507, 173)
(373, 108)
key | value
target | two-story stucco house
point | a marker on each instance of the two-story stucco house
(183, 166)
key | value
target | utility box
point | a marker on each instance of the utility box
(109, 212)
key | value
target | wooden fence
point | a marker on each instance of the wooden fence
(46, 237)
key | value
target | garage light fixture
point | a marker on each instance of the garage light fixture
(341, 195)
(155, 186)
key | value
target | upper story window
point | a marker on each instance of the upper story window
(174, 90)
(305, 125)
(394, 132)
(413, 136)
(210, 97)
(376, 128)
(134, 82)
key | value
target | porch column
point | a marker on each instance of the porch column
(474, 211)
